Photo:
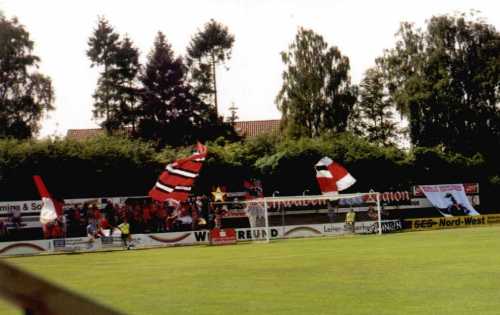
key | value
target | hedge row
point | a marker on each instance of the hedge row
(108, 166)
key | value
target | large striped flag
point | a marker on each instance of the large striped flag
(332, 177)
(176, 181)
(51, 208)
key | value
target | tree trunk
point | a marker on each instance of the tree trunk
(108, 130)
(214, 84)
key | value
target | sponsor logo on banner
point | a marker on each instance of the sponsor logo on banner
(222, 236)
(201, 236)
(390, 198)
(297, 204)
(255, 234)
(111, 241)
(333, 228)
(73, 244)
(59, 243)
(23, 206)
(388, 226)
(451, 222)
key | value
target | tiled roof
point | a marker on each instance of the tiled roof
(83, 134)
(246, 129)
(255, 128)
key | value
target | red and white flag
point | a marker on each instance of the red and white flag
(51, 208)
(176, 181)
(253, 189)
(332, 177)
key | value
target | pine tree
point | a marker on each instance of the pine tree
(208, 48)
(169, 112)
(103, 44)
(116, 92)
(124, 76)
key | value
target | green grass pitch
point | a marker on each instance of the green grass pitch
(436, 272)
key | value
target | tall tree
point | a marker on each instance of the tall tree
(116, 93)
(376, 112)
(169, 112)
(446, 80)
(316, 95)
(208, 48)
(25, 94)
(124, 78)
(103, 44)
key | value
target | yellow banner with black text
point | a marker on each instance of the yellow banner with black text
(450, 222)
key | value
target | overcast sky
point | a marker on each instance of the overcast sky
(263, 28)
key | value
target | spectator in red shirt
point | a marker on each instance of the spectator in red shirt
(95, 213)
(57, 230)
(53, 229)
(47, 230)
(113, 217)
(219, 214)
(75, 221)
(85, 213)
(146, 216)
(77, 216)
(161, 215)
(3, 229)
(137, 218)
(184, 220)
(123, 212)
(195, 215)
(104, 225)
(172, 214)
(15, 218)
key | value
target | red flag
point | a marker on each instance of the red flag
(176, 181)
(332, 177)
(200, 148)
(253, 189)
(51, 208)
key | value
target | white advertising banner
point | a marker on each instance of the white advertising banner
(177, 238)
(84, 244)
(450, 200)
(75, 244)
(24, 247)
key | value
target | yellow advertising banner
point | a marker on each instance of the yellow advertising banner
(450, 222)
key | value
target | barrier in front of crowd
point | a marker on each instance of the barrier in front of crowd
(84, 244)
(200, 237)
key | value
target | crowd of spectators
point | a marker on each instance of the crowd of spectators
(144, 216)
(3, 229)
(103, 218)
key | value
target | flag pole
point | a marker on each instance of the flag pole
(266, 219)
(379, 215)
